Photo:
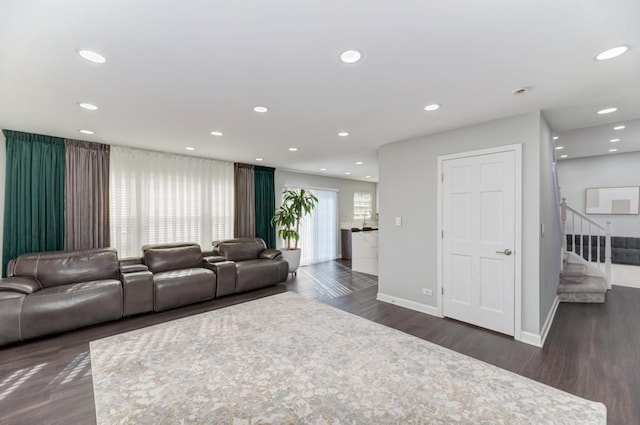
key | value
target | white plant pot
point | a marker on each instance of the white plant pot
(293, 258)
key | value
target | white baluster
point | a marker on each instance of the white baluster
(607, 255)
(589, 242)
(563, 215)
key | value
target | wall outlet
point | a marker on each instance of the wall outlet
(427, 292)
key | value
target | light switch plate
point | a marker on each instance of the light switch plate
(398, 221)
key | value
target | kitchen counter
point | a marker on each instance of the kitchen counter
(364, 251)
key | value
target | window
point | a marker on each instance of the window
(362, 205)
(158, 197)
(319, 231)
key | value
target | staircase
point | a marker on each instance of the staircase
(580, 282)
(584, 277)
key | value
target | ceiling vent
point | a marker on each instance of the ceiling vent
(520, 91)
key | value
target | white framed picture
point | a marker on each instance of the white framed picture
(612, 200)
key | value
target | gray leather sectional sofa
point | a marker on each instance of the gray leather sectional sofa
(52, 292)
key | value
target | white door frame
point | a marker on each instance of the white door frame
(517, 149)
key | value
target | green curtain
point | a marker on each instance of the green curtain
(265, 195)
(34, 195)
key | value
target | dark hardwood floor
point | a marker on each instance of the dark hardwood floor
(592, 350)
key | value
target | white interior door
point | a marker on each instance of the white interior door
(478, 252)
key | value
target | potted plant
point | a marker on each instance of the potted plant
(295, 205)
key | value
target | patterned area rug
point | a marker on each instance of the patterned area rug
(288, 360)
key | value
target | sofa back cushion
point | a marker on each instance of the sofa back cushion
(241, 249)
(63, 267)
(164, 258)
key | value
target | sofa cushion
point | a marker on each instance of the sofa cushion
(181, 287)
(166, 257)
(253, 274)
(64, 267)
(241, 249)
(64, 307)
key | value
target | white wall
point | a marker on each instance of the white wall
(346, 188)
(601, 171)
(551, 241)
(408, 189)
(3, 171)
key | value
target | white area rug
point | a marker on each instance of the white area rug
(288, 360)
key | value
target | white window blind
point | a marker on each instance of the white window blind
(319, 231)
(159, 197)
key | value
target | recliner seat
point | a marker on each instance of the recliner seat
(256, 266)
(60, 291)
(179, 275)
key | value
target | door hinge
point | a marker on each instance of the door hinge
(442, 234)
(443, 290)
(442, 177)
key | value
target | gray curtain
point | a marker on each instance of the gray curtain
(245, 211)
(87, 195)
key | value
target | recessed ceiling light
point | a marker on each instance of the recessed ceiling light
(293, 149)
(347, 173)
(261, 109)
(91, 56)
(559, 148)
(612, 53)
(607, 111)
(432, 107)
(343, 134)
(564, 156)
(259, 159)
(323, 169)
(350, 56)
(189, 148)
(613, 150)
(86, 131)
(367, 177)
(614, 140)
(216, 133)
(89, 106)
(620, 127)
(359, 163)
(555, 137)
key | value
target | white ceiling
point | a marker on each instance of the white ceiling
(176, 71)
(594, 141)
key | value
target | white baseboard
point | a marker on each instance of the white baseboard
(531, 339)
(412, 305)
(526, 337)
(538, 340)
(547, 323)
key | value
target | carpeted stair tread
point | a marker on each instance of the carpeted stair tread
(573, 269)
(582, 297)
(595, 284)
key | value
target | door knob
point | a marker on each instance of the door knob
(505, 252)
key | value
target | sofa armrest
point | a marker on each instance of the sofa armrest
(11, 266)
(211, 259)
(133, 268)
(225, 276)
(270, 254)
(138, 292)
(20, 284)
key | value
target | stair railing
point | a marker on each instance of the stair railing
(586, 227)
